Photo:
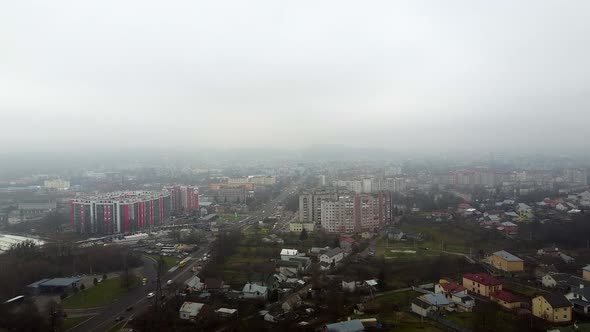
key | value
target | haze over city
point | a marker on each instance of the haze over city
(425, 75)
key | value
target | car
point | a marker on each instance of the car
(169, 282)
(150, 295)
(120, 318)
(129, 308)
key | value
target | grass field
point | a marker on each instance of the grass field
(464, 319)
(400, 299)
(71, 322)
(100, 295)
(405, 322)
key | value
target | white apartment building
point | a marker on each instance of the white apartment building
(338, 216)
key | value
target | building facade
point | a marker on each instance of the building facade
(183, 198)
(554, 308)
(119, 212)
(506, 261)
(354, 214)
(481, 284)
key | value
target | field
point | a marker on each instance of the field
(458, 237)
(100, 295)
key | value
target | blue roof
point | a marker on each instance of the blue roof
(59, 282)
(354, 325)
(507, 256)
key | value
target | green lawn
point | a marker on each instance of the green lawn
(464, 319)
(523, 290)
(100, 295)
(400, 299)
(71, 322)
(405, 322)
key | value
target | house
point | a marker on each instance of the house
(332, 256)
(505, 299)
(190, 310)
(287, 253)
(291, 302)
(194, 284)
(421, 307)
(580, 298)
(213, 285)
(226, 312)
(554, 308)
(255, 292)
(481, 283)
(552, 280)
(463, 302)
(525, 212)
(449, 289)
(586, 273)
(437, 301)
(561, 207)
(506, 261)
(567, 259)
(346, 243)
(577, 282)
(354, 325)
(508, 228)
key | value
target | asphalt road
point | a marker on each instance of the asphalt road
(136, 298)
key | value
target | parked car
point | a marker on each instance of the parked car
(150, 295)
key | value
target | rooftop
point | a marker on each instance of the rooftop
(192, 308)
(452, 287)
(354, 325)
(556, 300)
(58, 282)
(507, 256)
(482, 278)
(505, 296)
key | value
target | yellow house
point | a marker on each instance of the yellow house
(554, 308)
(506, 261)
(586, 273)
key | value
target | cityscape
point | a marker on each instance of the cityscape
(334, 166)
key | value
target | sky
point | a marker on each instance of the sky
(423, 75)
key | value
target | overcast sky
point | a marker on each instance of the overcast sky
(418, 74)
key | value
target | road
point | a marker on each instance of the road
(136, 298)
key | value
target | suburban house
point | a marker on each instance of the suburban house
(226, 312)
(506, 261)
(194, 284)
(288, 253)
(332, 256)
(463, 302)
(552, 280)
(305, 262)
(190, 310)
(437, 301)
(421, 307)
(255, 292)
(481, 283)
(354, 325)
(580, 298)
(586, 273)
(448, 289)
(554, 308)
(506, 299)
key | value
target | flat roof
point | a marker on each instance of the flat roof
(59, 282)
(507, 256)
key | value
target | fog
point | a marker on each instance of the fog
(423, 75)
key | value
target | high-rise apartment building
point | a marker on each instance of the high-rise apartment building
(183, 198)
(119, 212)
(356, 213)
(310, 204)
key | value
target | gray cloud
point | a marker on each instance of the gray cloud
(411, 74)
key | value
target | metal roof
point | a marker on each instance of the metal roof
(59, 282)
(354, 325)
(507, 256)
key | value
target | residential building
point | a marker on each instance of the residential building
(332, 256)
(553, 280)
(506, 261)
(297, 227)
(481, 284)
(255, 292)
(119, 212)
(506, 299)
(190, 310)
(288, 253)
(554, 308)
(586, 273)
(231, 195)
(213, 285)
(421, 307)
(463, 302)
(226, 312)
(338, 216)
(579, 297)
(183, 198)
(291, 302)
(57, 185)
(355, 214)
(449, 289)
